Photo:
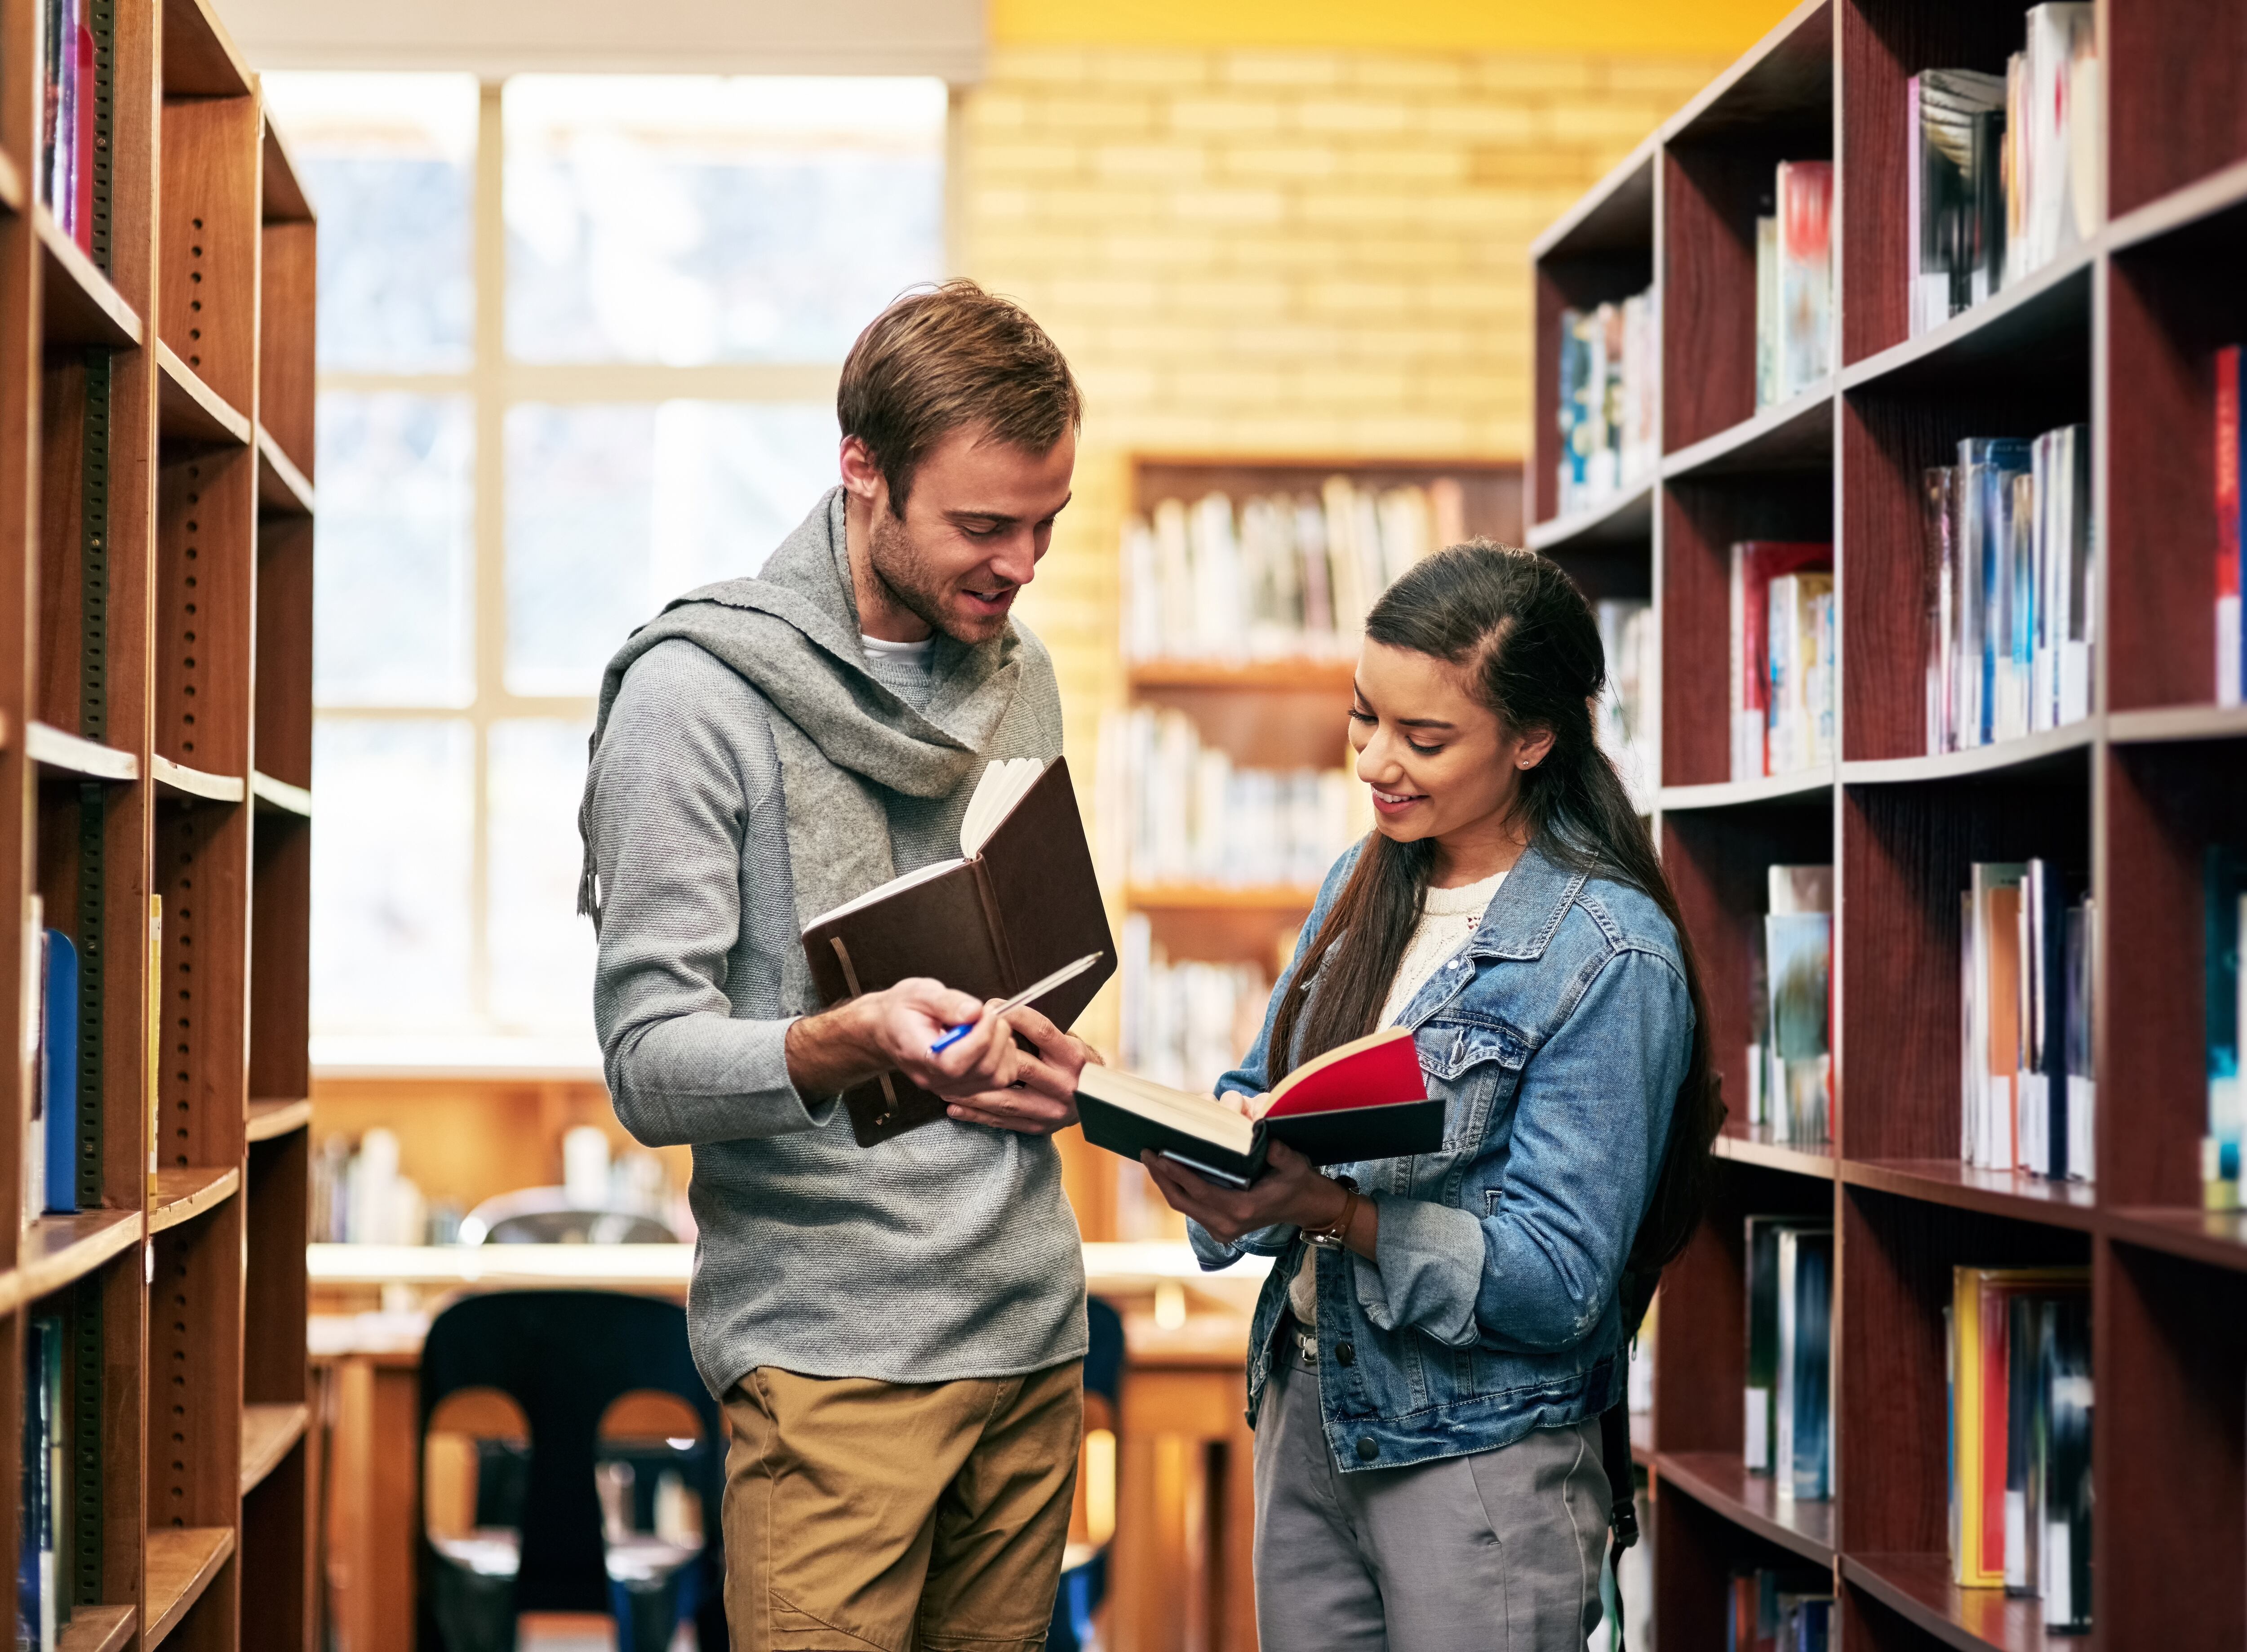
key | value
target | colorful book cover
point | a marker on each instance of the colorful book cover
(1755, 563)
(1805, 191)
(2223, 883)
(58, 1072)
(1799, 956)
(1803, 1460)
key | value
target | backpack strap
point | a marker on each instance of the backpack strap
(1636, 1294)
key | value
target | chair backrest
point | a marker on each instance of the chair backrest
(564, 1357)
(549, 1216)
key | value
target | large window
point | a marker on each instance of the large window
(577, 349)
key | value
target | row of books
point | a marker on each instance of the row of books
(1791, 1008)
(1780, 1611)
(2027, 1099)
(1794, 281)
(359, 1196)
(2230, 527)
(2005, 169)
(1789, 1354)
(2223, 894)
(1185, 1022)
(1174, 811)
(2008, 584)
(1284, 576)
(1782, 670)
(42, 1602)
(1629, 711)
(67, 145)
(1610, 368)
(51, 1036)
(2018, 1343)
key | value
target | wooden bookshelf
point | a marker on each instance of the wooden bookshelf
(157, 700)
(2121, 335)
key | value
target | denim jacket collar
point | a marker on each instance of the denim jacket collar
(1527, 908)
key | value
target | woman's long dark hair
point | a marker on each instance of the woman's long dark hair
(1523, 631)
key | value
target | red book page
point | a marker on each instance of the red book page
(2227, 471)
(1378, 1071)
(82, 150)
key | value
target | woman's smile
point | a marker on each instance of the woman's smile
(1396, 803)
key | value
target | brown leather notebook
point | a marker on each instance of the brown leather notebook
(1020, 902)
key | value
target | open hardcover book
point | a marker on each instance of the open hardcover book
(1365, 1099)
(1019, 902)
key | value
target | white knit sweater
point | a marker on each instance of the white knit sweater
(1446, 922)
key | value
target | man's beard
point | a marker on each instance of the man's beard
(905, 574)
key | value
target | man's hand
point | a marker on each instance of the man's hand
(1290, 1193)
(1043, 1096)
(894, 1029)
(986, 1078)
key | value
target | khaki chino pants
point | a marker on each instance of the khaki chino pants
(902, 1517)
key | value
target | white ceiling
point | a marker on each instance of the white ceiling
(494, 38)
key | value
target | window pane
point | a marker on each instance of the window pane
(613, 510)
(391, 876)
(390, 162)
(542, 952)
(693, 219)
(394, 582)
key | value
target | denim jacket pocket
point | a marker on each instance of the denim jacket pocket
(1474, 1063)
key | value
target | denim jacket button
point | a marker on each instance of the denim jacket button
(1367, 1451)
(1345, 1354)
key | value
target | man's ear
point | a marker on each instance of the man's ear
(862, 475)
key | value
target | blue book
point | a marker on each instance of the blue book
(59, 1070)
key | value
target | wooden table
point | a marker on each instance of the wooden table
(1180, 1578)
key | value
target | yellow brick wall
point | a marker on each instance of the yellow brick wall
(1271, 252)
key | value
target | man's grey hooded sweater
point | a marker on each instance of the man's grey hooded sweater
(750, 769)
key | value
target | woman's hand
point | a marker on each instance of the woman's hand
(1042, 1097)
(1290, 1193)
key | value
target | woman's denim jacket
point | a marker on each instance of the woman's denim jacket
(1556, 1038)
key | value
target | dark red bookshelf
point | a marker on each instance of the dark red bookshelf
(2120, 334)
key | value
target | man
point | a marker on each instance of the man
(896, 1333)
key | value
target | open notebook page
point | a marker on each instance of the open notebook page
(1003, 785)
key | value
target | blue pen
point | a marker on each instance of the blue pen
(1037, 989)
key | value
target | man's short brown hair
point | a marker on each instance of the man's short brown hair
(947, 355)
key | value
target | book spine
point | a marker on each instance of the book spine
(995, 922)
(2227, 526)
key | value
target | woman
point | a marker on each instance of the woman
(1439, 1334)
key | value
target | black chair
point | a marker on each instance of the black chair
(564, 1357)
(1084, 1585)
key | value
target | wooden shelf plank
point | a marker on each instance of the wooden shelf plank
(1918, 1589)
(1788, 72)
(1806, 786)
(196, 783)
(1753, 1144)
(2177, 722)
(50, 748)
(2008, 1193)
(1615, 213)
(283, 490)
(270, 1118)
(1220, 897)
(1626, 519)
(97, 1629)
(182, 1194)
(57, 1250)
(2029, 752)
(2218, 1237)
(78, 305)
(1796, 434)
(284, 198)
(2052, 305)
(1293, 676)
(182, 1559)
(268, 1431)
(199, 59)
(279, 796)
(1719, 1480)
(2204, 198)
(189, 410)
